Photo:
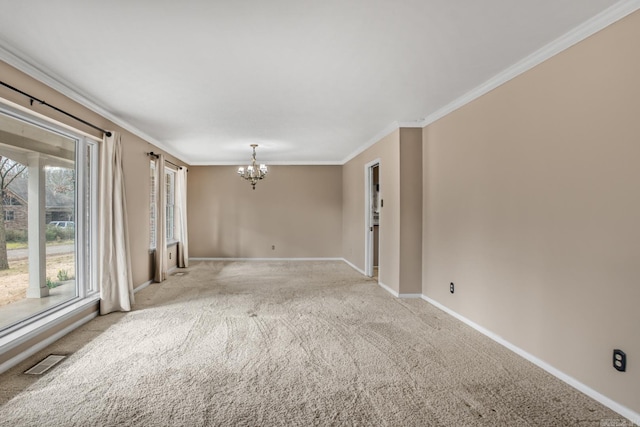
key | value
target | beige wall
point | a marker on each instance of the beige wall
(400, 231)
(532, 208)
(296, 208)
(353, 204)
(388, 151)
(410, 281)
(172, 256)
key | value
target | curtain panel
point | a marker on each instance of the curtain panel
(181, 233)
(160, 267)
(114, 263)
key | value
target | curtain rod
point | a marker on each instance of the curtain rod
(152, 154)
(33, 98)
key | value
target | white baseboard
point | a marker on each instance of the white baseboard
(620, 409)
(388, 289)
(382, 285)
(141, 287)
(44, 343)
(148, 282)
(410, 296)
(350, 264)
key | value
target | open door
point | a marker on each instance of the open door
(373, 204)
(375, 219)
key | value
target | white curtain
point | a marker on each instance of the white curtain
(181, 234)
(114, 264)
(160, 271)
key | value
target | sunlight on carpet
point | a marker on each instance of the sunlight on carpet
(295, 344)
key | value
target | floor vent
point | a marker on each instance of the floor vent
(179, 274)
(41, 367)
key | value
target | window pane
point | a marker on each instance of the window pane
(90, 209)
(60, 233)
(152, 205)
(37, 236)
(169, 222)
(170, 177)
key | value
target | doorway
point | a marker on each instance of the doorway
(373, 204)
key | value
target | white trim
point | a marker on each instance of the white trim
(388, 289)
(35, 328)
(95, 229)
(272, 163)
(383, 286)
(611, 404)
(410, 296)
(38, 323)
(141, 287)
(350, 264)
(47, 119)
(388, 130)
(57, 83)
(33, 332)
(368, 225)
(574, 36)
(374, 140)
(415, 124)
(266, 259)
(84, 226)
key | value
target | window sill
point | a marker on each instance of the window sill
(38, 327)
(169, 244)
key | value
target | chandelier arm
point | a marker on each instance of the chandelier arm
(253, 173)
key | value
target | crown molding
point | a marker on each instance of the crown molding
(26, 65)
(269, 163)
(372, 141)
(579, 33)
(574, 36)
(412, 124)
(384, 132)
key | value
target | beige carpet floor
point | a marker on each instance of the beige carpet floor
(291, 344)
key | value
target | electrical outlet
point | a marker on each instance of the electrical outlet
(451, 287)
(273, 247)
(169, 255)
(619, 360)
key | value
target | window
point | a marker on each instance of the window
(45, 172)
(10, 201)
(170, 179)
(152, 205)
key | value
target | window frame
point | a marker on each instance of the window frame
(170, 200)
(85, 244)
(152, 205)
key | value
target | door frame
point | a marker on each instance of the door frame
(368, 217)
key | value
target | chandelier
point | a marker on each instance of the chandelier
(253, 173)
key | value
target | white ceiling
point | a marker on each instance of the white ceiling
(311, 81)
